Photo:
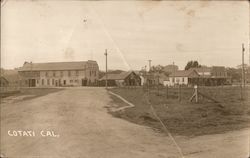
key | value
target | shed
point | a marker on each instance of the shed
(129, 78)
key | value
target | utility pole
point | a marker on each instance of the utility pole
(243, 66)
(149, 64)
(174, 73)
(106, 81)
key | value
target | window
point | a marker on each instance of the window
(183, 79)
(54, 74)
(37, 81)
(42, 81)
(77, 73)
(53, 81)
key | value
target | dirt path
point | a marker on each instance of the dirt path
(86, 130)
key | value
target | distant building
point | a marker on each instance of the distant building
(9, 78)
(142, 76)
(3, 82)
(129, 78)
(182, 77)
(9, 82)
(81, 73)
(207, 76)
(212, 76)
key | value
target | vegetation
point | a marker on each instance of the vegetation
(32, 93)
(192, 64)
(186, 118)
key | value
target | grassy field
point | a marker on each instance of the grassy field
(183, 117)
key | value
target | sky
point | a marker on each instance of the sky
(133, 32)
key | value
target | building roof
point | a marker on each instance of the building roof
(77, 65)
(184, 73)
(10, 75)
(201, 69)
(3, 79)
(218, 68)
(120, 76)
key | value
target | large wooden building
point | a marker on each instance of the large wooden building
(81, 73)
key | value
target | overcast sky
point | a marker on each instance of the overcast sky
(132, 31)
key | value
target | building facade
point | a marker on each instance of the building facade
(182, 77)
(55, 74)
(212, 76)
(129, 78)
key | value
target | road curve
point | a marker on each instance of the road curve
(86, 130)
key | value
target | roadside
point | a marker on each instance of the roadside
(79, 116)
(185, 118)
(28, 93)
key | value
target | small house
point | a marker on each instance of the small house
(182, 77)
(129, 78)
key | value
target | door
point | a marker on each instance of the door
(84, 82)
(32, 82)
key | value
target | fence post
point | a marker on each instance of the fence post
(179, 92)
(196, 93)
(167, 91)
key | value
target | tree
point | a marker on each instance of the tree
(192, 64)
(158, 68)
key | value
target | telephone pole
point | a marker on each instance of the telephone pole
(243, 66)
(149, 64)
(106, 75)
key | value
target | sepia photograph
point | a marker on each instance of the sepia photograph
(125, 79)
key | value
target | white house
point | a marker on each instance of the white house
(182, 77)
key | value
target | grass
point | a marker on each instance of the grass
(32, 93)
(37, 92)
(183, 117)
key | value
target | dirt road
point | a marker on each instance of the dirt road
(84, 129)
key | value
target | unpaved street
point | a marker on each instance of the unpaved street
(85, 129)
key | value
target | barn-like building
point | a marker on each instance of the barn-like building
(53, 74)
(129, 78)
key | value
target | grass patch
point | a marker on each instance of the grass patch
(37, 92)
(31, 93)
(186, 118)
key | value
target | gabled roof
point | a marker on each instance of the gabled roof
(201, 69)
(218, 68)
(3, 79)
(184, 73)
(10, 75)
(120, 76)
(78, 65)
